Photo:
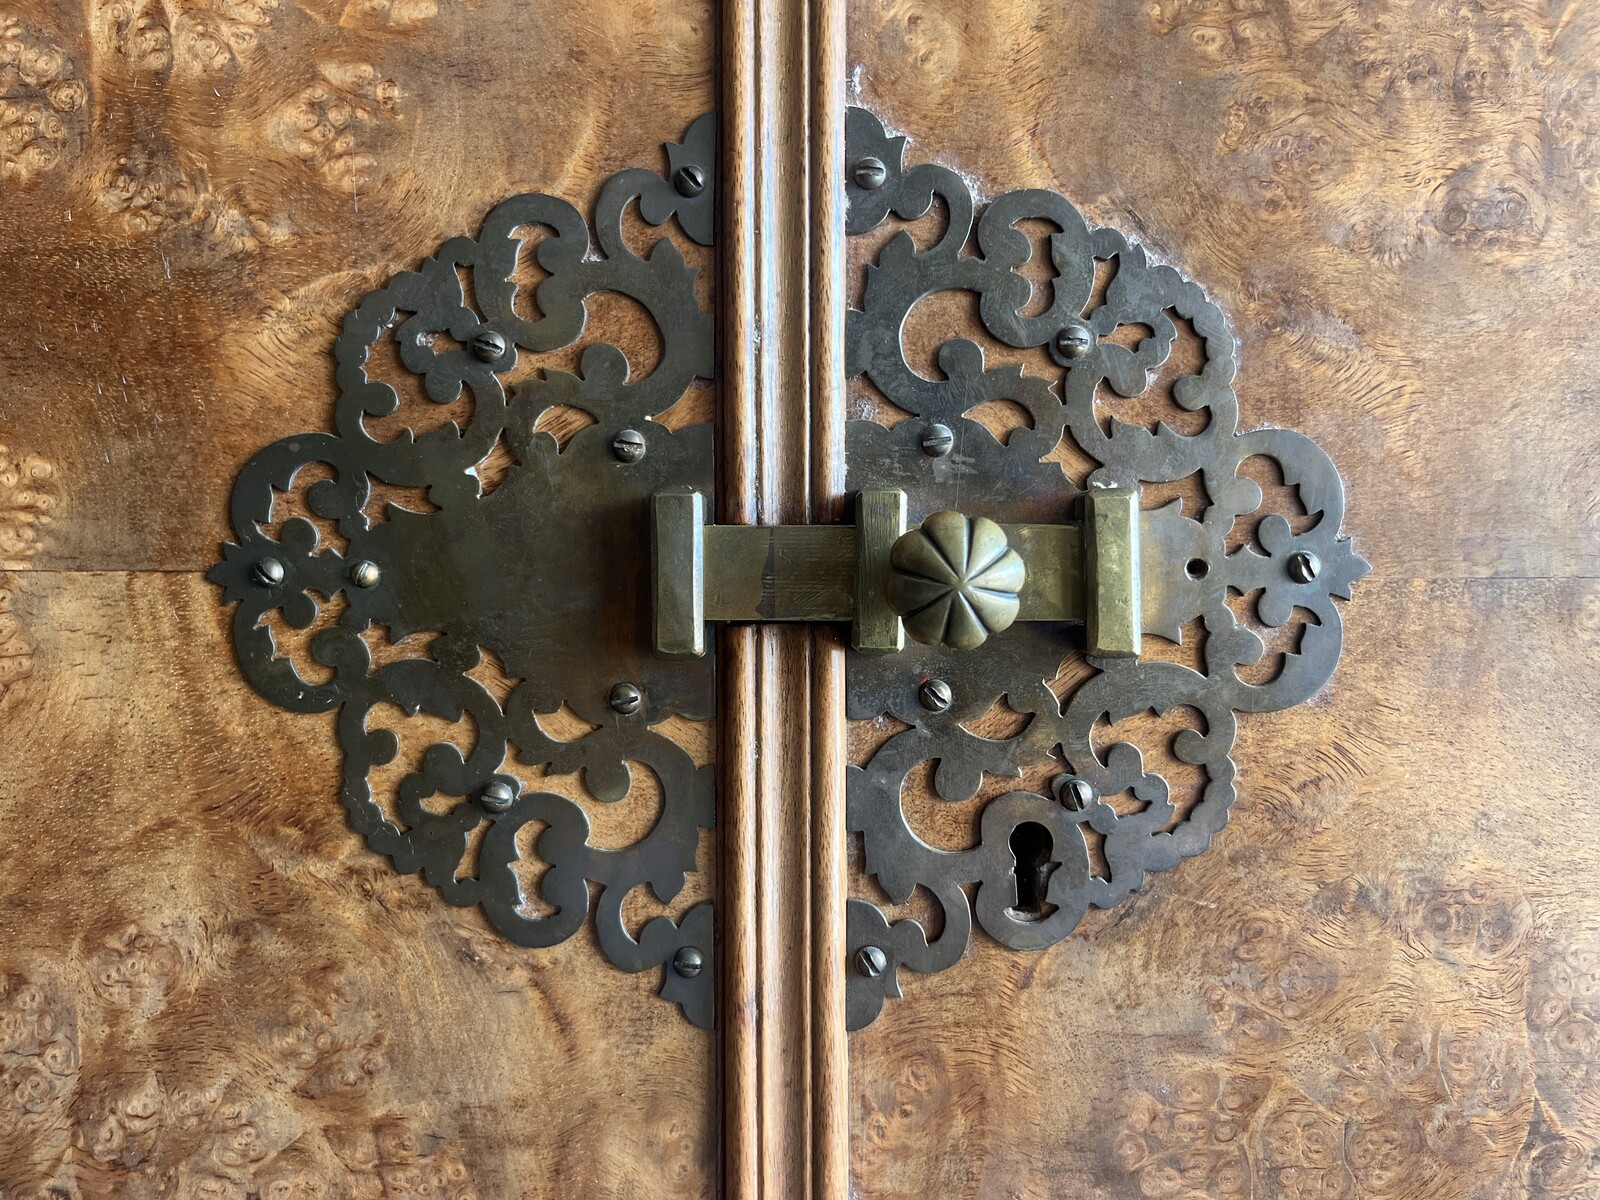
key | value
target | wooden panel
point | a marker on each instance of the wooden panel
(184, 254)
(208, 986)
(1394, 206)
(1379, 975)
(208, 977)
(1380, 979)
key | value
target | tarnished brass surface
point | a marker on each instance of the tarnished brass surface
(839, 573)
(1113, 621)
(880, 520)
(780, 572)
(954, 580)
(1053, 555)
(678, 586)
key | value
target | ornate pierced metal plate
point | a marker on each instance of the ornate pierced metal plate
(549, 571)
(1033, 872)
(535, 559)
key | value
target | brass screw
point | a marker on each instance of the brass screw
(267, 572)
(626, 699)
(1304, 566)
(688, 962)
(364, 574)
(870, 173)
(628, 445)
(871, 961)
(1076, 794)
(498, 796)
(937, 441)
(690, 180)
(488, 346)
(1074, 341)
(935, 695)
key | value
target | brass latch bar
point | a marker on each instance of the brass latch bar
(1087, 573)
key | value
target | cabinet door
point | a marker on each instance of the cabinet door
(209, 984)
(1378, 978)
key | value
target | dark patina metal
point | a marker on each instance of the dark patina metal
(1010, 483)
(584, 559)
(937, 440)
(869, 173)
(689, 962)
(549, 571)
(266, 572)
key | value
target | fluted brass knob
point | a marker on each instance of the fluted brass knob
(954, 580)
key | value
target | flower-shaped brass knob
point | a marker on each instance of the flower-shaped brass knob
(954, 580)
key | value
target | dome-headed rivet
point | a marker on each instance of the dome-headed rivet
(488, 346)
(937, 440)
(870, 173)
(871, 961)
(497, 796)
(935, 695)
(267, 572)
(365, 574)
(1074, 341)
(688, 962)
(628, 446)
(626, 699)
(690, 180)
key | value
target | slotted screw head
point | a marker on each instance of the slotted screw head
(1304, 566)
(268, 572)
(626, 699)
(690, 180)
(871, 961)
(935, 695)
(1074, 341)
(498, 796)
(365, 574)
(488, 346)
(1076, 794)
(688, 962)
(937, 441)
(870, 173)
(628, 445)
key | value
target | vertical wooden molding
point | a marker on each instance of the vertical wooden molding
(830, 1166)
(830, 1163)
(826, 183)
(781, 812)
(739, 792)
(737, 1017)
(765, 801)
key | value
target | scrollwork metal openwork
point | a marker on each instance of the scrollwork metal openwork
(1012, 481)
(549, 571)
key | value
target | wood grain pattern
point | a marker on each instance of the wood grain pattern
(829, 1066)
(783, 1060)
(208, 986)
(740, 798)
(1379, 980)
(830, 1136)
(211, 984)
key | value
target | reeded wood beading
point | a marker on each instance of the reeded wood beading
(782, 798)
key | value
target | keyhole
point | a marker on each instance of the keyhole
(1031, 845)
